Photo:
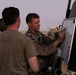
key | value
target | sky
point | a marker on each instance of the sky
(51, 12)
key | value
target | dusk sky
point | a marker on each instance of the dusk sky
(51, 12)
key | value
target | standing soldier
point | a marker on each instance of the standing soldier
(45, 46)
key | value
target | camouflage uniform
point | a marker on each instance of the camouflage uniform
(46, 50)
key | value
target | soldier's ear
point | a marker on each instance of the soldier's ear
(29, 24)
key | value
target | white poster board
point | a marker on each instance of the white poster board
(66, 45)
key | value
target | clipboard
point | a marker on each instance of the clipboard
(66, 46)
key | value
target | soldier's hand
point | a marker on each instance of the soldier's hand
(61, 35)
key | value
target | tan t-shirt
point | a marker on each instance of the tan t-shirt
(15, 49)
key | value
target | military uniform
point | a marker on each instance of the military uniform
(47, 51)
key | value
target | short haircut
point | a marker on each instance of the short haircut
(31, 16)
(10, 15)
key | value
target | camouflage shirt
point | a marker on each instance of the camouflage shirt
(44, 45)
(47, 51)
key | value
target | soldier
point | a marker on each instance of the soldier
(45, 46)
(15, 52)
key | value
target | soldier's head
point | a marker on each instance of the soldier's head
(2, 25)
(33, 21)
(11, 16)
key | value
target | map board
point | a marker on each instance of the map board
(66, 45)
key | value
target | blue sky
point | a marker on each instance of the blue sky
(52, 12)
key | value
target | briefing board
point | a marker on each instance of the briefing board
(66, 45)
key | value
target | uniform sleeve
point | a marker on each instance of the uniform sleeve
(30, 49)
